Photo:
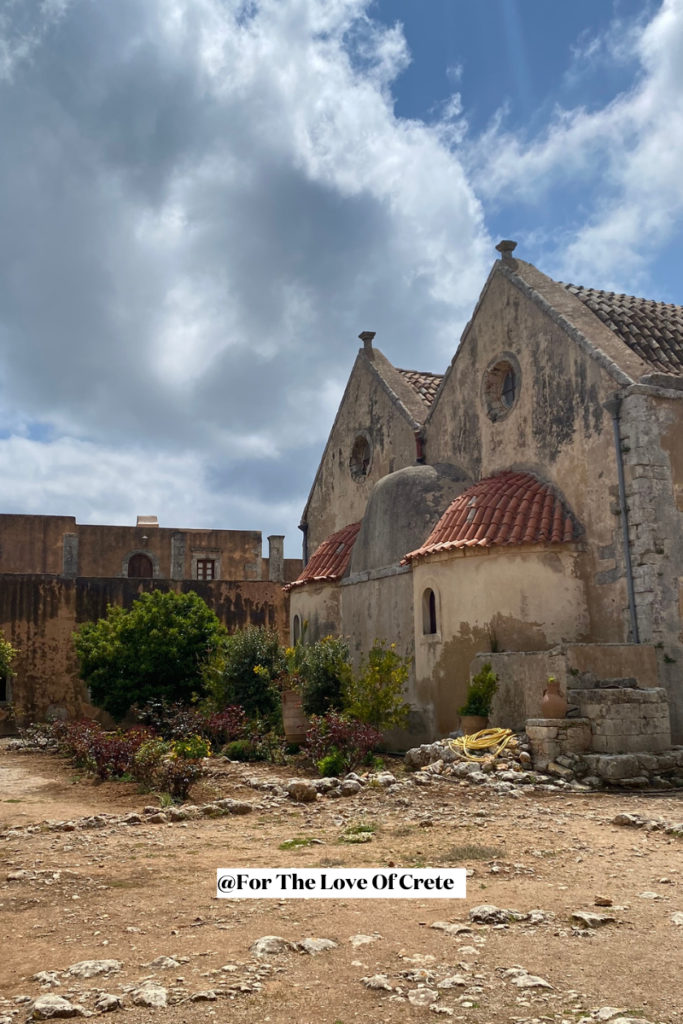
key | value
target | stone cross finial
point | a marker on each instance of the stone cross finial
(506, 249)
(366, 337)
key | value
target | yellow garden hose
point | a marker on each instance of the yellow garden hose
(493, 741)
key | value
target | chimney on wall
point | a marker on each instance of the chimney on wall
(147, 521)
(276, 558)
(506, 249)
(366, 337)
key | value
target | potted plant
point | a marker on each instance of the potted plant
(474, 714)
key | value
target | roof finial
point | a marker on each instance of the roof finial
(506, 249)
(366, 337)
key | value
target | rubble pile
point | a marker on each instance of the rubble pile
(513, 768)
(509, 771)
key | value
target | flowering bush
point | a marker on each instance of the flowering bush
(194, 748)
(348, 740)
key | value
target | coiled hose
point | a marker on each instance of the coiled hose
(493, 741)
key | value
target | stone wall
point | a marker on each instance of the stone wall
(59, 545)
(39, 613)
(651, 428)
(522, 677)
(624, 720)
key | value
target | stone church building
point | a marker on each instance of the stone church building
(528, 499)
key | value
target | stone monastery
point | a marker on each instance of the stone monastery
(525, 508)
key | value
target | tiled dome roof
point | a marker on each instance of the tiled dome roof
(510, 508)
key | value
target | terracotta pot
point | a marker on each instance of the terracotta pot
(553, 704)
(473, 723)
(295, 722)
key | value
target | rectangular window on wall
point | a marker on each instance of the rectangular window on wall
(206, 569)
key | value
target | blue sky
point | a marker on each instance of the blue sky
(204, 201)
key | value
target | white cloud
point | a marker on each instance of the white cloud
(204, 202)
(629, 154)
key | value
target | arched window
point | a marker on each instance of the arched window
(429, 612)
(140, 567)
(296, 629)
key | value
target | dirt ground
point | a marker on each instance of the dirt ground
(134, 893)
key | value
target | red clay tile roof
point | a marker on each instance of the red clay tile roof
(510, 508)
(426, 384)
(331, 559)
(653, 330)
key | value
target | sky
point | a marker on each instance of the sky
(203, 203)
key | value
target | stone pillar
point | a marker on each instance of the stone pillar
(70, 555)
(178, 547)
(276, 558)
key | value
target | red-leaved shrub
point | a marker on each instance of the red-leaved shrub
(108, 755)
(340, 735)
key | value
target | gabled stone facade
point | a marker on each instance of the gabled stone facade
(541, 370)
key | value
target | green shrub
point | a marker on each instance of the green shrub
(250, 662)
(158, 650)
(243, 750)
(480, 693)
(376, 691)
(332, 765)
(147, 760)
(325, 672)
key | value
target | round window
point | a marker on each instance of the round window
(361, 457)
(500, 387)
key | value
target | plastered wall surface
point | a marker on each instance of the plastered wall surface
(557, 429)
(39, 613)
(319, 606)
(526, 599)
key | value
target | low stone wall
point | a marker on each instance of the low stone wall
(625, 719)
(522, 677)
(628, 771)
(550, 738)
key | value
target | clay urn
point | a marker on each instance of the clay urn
(473, 723)
(553, 704)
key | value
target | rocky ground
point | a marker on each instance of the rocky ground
(574, 909)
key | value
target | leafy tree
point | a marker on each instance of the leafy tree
(251, 660)
(7, 654)
(325, 672)
(376, 691)
(159, 649)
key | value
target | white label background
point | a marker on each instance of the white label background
(341, 883)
